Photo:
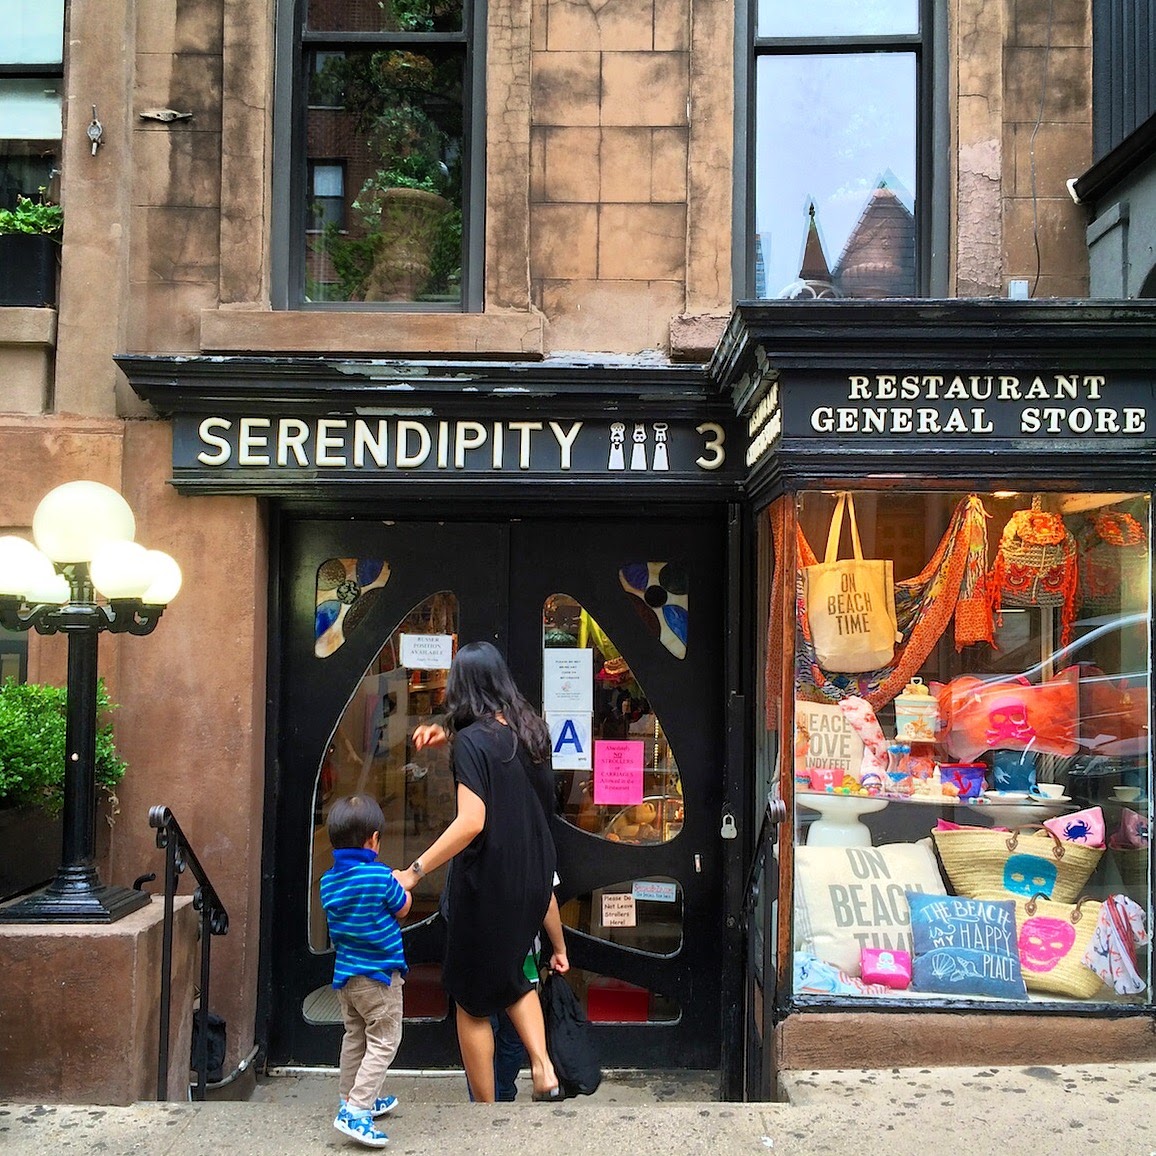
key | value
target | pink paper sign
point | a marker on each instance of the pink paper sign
(618, 772)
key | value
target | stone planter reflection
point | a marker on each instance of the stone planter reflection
(410, 219)
(30, 841)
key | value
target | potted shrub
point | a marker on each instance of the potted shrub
(29, 246)
(401, 205)
(405, 239)
(32, 752)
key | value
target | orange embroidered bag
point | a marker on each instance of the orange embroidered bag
(1113, 563)
(1035, 565)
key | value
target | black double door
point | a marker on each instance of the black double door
(641, 885)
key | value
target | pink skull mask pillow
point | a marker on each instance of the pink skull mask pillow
(1044, 941)
(1010, 715)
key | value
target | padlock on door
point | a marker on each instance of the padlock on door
(729, 830)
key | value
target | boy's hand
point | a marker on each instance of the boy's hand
(407, 878)
(559, 962)
(429, 735)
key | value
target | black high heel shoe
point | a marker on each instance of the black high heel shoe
(554, 1094)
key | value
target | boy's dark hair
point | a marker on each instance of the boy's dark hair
(354, 820)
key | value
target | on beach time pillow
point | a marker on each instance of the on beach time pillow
(848, 898)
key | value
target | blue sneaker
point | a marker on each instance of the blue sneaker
(360, 1128)
(382, 1106)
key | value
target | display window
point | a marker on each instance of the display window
(615, 773)
(371, 752)
(970, 749)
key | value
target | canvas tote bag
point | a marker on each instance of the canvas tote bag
(850, 603)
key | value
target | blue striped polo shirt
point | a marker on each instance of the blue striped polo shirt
(361, 898)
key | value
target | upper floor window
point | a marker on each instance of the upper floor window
(31, 73)
(841, 156)
(381, 153)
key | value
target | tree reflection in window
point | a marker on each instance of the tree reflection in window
(620, 711)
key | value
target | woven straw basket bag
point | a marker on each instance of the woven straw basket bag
(985, 864)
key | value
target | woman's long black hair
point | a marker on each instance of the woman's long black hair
(480, 686)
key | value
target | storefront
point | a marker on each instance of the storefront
(586, 519)
(986, 667)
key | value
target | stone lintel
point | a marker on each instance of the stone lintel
(510, 333)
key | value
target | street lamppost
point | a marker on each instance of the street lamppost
(84, 531)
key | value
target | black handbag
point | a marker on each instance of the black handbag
(569, 1039)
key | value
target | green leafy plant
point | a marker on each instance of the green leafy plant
(32, 733)
(31, 216)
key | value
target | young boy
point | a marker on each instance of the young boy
(363, 903)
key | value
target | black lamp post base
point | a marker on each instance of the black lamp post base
(97, 905)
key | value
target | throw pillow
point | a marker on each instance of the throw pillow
(965, 946)
(848, 898)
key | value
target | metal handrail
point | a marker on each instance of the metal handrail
(214, 921)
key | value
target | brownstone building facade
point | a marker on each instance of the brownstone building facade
(607, 237)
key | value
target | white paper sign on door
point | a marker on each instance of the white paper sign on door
(568, 679)
(570, 740)
(618, 909)
(427, 651)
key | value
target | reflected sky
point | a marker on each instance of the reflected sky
(33, 32)
(837, 17)
(830, 128)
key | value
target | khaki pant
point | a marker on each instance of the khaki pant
(372, 1014)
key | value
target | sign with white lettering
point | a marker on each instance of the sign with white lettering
(354, 445)
(1119, 409)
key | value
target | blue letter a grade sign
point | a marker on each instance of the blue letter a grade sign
(570, 740)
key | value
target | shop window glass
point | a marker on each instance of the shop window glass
(608, 1000)
(385, 102)
(640, 914)
(1036, 715)
(840, 200)
(371, 752)
(591, 696)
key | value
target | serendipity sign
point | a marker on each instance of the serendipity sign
(347, 445)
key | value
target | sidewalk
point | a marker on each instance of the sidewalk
(1109, 1109)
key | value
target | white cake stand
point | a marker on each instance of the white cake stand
(838, 823)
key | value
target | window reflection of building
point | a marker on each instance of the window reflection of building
(380, 152)
(878, 259)
(31, 73)
(837, 118)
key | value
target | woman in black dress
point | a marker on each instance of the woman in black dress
(499, 893)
